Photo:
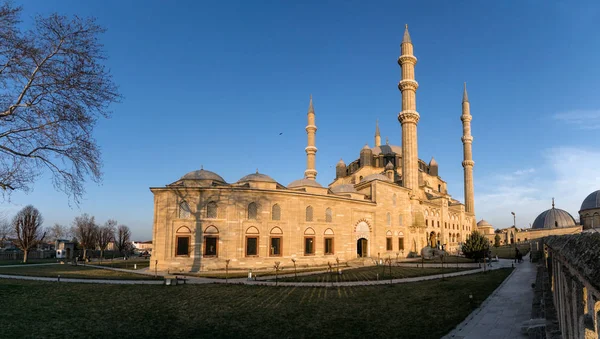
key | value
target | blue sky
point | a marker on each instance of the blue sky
(214, 83)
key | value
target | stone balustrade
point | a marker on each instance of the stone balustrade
(573, 266)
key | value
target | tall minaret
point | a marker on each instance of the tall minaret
(409, 117)
(468, 162)
(377, 136)
(311, 150)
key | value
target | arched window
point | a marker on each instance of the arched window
(439, 188)
(328, 215)
(309, 213)
(252, 210)
(438, 224)
(276, 212)
(389, 219)
(426, 222)
(211, 241)
(184, 210)
(211, 210)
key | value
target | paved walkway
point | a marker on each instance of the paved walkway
(503, 312)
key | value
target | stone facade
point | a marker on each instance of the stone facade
(573, 264)
(387, 203)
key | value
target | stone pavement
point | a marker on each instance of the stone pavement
(503, 312)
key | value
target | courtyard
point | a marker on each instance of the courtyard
(427, 309)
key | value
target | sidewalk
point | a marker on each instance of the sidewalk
(503, 312)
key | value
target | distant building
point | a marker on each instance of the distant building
(589, 213)
(142, 245)
(65, 249)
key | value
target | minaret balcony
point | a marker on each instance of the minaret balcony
(407, 58)
(408, 84)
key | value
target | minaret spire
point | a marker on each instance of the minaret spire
(468, 162)
(311, 150)
(409, 117)
(377, 135)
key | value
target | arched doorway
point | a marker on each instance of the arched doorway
(432, 240)
(362, 248)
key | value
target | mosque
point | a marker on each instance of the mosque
(387, 203)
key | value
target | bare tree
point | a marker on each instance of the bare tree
(123, 240)
(58, 231)
(106, 234)
(84, 229)
(6, 230)
(28, 229)
(53, 89)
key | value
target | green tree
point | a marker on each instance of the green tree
(497, 240)
(476, 246)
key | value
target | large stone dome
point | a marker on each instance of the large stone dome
(553, 218)
(387, 149)
(203, 175)
(257, 177)
(304, 182)
(591, 201)
(483, 223)
(343, 188)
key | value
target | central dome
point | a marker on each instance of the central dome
(553, 218)
(591, 201)
(387, 149)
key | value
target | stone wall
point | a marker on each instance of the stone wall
(573, 264)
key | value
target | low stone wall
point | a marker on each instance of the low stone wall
(573, 266)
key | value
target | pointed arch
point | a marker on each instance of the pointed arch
(276, 212)
(329, 231)
(309, 231)
(211, 230)
(309, 213)
(184, 210)
(211, 210)
(388, 233)
(276, 230)
(252, 230)
(328, 215)
(183, 229)
(252, 211)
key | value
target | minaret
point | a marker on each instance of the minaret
(468, 162)
(311, 150)
(409, 117)
(377, 136)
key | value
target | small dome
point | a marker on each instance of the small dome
(553, 218)
(375, 176)
(304, 182)
(591, 201)
(203, 175)
(341, 163)
(433, 162)
(387, 149)
(483, 223)
(389, 166)
(257, 177)
(343, 188)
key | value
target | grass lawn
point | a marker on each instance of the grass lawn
(30, 261)
(427, 309)
(126, 264)
(370, 273)
(70, 271)
(259, 273)
(451, 259)
(508, 252)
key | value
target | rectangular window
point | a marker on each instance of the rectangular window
(400, 244)
(251, 246)
(388, 244)
(275, 250)
(309, 245)
(183, 246)
(328, 245)
(210, 246)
